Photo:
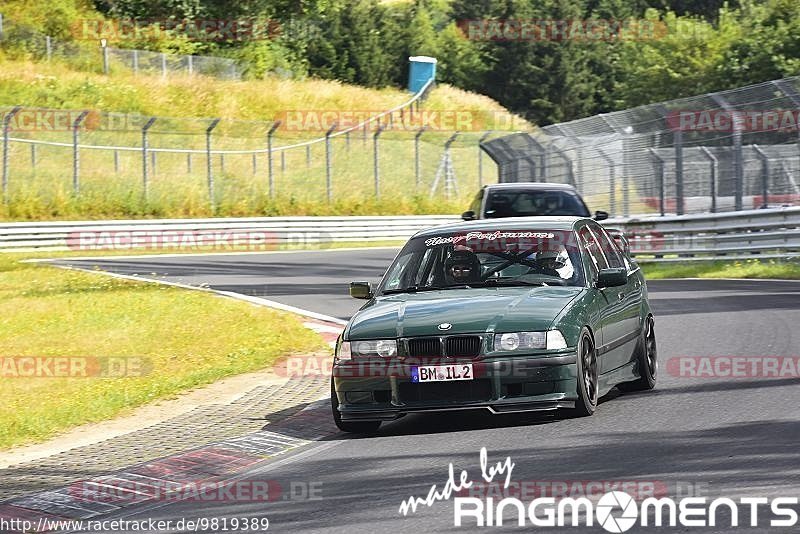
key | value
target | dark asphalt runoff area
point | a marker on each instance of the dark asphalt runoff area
(710, 437)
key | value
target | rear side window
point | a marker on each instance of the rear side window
(592, 247)
(609, 248)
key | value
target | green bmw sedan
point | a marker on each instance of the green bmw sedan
(505, 315)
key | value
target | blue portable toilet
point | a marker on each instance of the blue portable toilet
(420, 70)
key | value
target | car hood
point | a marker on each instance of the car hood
(509, 309)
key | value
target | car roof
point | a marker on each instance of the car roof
(532, 185)
(506, 223)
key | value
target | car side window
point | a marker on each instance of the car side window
(592, 247)
(476, 203)
(396, 277)
(609, 248)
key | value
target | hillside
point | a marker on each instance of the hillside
(41, 178)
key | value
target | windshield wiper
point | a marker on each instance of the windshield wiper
(511, 282)
(415, 289)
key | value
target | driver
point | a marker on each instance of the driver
(462, 267)
(548, 262)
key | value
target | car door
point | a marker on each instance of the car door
(629, 297)
(608, 301)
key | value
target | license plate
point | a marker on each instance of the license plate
(441, 373)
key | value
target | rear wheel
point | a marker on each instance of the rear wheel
(646, 359)
(587, 376)
(354, 427)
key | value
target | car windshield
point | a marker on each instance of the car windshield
(486, 258)
(525, 203)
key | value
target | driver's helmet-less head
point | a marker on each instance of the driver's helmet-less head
(462, 266)
(552, 202)
(551, 259)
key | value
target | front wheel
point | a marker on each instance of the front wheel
(587, 376)
(354, 427)
(646, 359)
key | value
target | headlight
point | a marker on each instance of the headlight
(550, 340)
(385, 348)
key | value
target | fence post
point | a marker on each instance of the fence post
(48, 46)
(116, 161)
(480, 157)
(612, 181)
(222, 163)
(661, 191)
(1, 25)
(375, 138)
(416, 155)
(104, 48)
(255, 165)
(764, 175)
(738, 165)
(163, 65)
(329, 162)
(6, 128)
(76, 124)
(270, 133)
(145, 181)
(189, 64)
(713, 178)
(283, 161)
(679, 204)
(446, 169)
(136, 61)
(33, 157)
(308, 155)
(189, 163)
(210, 164)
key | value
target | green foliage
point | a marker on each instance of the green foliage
(699, 45)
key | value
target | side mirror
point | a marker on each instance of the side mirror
(612, 277)
(360, 290)
(600, 215)
(468, 215)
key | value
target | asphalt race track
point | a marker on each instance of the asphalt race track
(713, 437)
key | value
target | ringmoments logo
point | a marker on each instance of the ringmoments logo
(615, 510)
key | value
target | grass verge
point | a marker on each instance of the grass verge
(163, 340)
(766, 269)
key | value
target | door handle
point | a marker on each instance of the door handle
(620, 296)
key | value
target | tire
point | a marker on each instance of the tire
(646, 359)
(354, 427)
(587, 379)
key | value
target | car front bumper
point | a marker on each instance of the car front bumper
(381, 391)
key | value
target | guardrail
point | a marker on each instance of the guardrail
(768, 233)
(256, 233)
(762, 233)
